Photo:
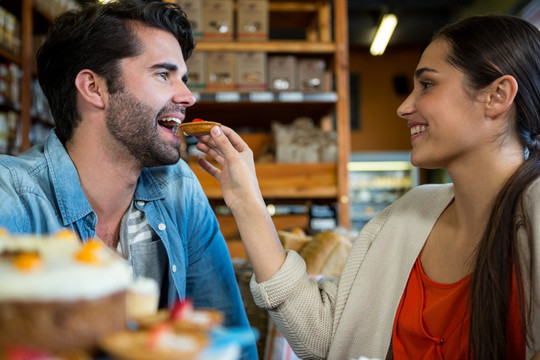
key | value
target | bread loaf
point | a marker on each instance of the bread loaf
(326, 254)
(294, 239)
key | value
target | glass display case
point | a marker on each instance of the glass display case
(375, 181)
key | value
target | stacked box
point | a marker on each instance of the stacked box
(282, 73)
(194, 12)
(251, 70)
(218, 18)
(252, 20)
(220, 71)
(3, 13)
(10, 31)
(196, 66)
(311, 75)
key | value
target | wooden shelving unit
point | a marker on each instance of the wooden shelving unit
(325, 22)
(33, 19)
(326, 36)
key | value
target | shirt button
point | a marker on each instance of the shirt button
(162, 226)
(140, 203)
(173, 268)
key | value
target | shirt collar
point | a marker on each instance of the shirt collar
(67, 188)
(65, 181)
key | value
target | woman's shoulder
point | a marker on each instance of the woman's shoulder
(534, 188)
(532, 197)
(421, 202)
(429, 193)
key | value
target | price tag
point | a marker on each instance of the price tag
(291, 96)
(261, 96)
(228, 96)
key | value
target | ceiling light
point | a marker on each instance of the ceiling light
(383, 35)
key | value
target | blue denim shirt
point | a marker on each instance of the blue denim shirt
(40, 193)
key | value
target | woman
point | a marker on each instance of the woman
(448, 271)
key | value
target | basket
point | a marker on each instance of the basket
(258, 318)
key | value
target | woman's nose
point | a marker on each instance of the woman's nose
(407, 107)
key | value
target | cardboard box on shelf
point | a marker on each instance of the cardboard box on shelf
(282, 72)
(311, 75)
(218, 16)
(10, 31)
(251, 71)
(3, 13)
(220, 71)
(194, 12)
(196, 65)
(252, 20)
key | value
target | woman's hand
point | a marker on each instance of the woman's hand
(243, 197)
(237, 174)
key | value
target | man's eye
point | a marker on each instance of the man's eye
(163, 74)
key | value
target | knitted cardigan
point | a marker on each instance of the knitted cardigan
(353, 315)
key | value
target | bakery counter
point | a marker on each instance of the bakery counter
(61, 298)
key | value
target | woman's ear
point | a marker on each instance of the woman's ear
(91, 87)
(501, 95)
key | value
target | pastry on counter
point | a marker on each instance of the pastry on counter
(59, 294)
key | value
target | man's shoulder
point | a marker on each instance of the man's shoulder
(23, 165)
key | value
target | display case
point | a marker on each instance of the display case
(375, 181)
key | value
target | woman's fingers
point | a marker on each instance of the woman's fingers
(211, 151)
(222, 143)
(236, 140)
(209, 168)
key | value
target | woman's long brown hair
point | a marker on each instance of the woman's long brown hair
(485, 48)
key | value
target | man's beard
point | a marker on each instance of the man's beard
(134, 125)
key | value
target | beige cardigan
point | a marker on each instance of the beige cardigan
(353, 316)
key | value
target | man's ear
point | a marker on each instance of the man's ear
(92, 88)
(501, 94)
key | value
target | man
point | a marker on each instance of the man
(115, 77)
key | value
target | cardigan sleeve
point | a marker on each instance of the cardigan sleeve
(291, 298)
(304, 310)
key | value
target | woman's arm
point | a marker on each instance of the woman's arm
(243, 197)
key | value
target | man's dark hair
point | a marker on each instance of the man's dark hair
(96, 37)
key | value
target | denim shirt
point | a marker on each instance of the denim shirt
(40, 193)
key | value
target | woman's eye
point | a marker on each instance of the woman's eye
(425, 85)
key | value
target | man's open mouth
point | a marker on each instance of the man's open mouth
(170, 123)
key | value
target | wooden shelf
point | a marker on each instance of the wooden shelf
(9, 56)
(270, 46)
(237, 109)
(293, 6)
(324, 24)
(283, 181)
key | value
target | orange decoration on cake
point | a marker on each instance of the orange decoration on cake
(89, 252)
(27, 261)
(66, 234)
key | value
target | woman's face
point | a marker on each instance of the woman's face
(444, 118)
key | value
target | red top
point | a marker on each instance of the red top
(432, 321)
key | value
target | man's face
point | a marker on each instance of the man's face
(143, 116)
